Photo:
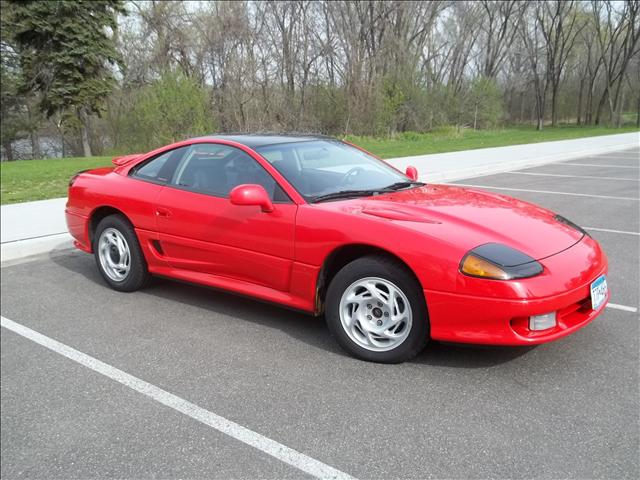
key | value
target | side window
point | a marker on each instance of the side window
(216, 169)
(160, 168)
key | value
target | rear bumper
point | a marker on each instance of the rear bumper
(464, 318)
(78, 226)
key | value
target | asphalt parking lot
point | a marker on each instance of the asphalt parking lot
(565, 409)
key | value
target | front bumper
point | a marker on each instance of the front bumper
(482, 319)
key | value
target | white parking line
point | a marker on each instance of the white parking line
(631, 156)
(606, 197)
(575, 176)
(270, 447)
(598, 165)
(612, 231)
(624, 308)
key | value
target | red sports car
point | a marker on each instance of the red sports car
(321, 226)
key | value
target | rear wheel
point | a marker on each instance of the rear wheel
(118, 254)
(376, 310)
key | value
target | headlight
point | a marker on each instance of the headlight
(499, 262)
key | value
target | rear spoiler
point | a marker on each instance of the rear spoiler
(124, 159)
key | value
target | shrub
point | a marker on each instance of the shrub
(170, 109)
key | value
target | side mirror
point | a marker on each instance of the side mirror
(412, 173)
(250, 194)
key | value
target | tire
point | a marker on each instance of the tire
(116, 228)
(370, 341)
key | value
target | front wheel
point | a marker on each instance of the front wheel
(118, 254)
(376, 310)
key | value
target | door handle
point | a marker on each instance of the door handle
(163, 212)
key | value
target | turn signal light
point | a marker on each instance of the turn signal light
(542, 322)
(499, 262)
(479, 267)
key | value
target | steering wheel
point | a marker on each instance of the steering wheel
(352, 173)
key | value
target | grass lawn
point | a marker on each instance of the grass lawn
(26, 180)
(451, 140)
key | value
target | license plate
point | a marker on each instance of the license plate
(598, 292)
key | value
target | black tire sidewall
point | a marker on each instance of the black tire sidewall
(138, 273)
(394, 272)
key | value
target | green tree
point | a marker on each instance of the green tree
(172, 108)
(483, 105)
(11, 117)
(67, 53)
(9, 100)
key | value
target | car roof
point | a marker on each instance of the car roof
(255, 140)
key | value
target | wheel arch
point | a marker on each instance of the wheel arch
(98, 214)
(344, 255)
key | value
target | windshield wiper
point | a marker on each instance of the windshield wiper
(350, 193)
(399, 185)
(365, 193)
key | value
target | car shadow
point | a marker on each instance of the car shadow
(468, 356)
(303, 327)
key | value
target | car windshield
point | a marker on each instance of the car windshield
(329, 168)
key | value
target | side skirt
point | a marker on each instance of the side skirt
(231, 285)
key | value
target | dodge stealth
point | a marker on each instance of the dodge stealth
(321, 226)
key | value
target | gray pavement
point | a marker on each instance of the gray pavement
(567, 409)
(87, 427)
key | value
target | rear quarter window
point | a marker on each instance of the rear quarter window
(161, 167)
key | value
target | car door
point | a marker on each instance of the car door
(201, 231)
(138, 198)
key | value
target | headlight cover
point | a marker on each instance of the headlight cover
(499, 262)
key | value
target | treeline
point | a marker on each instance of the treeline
(113, 76)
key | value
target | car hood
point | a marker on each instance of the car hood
(467, 217)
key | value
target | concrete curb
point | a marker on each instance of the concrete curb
(502, 166)
(10, 252)
(486, 161)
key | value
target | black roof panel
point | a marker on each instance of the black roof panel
(255, 140)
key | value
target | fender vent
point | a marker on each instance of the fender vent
(157, 246)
